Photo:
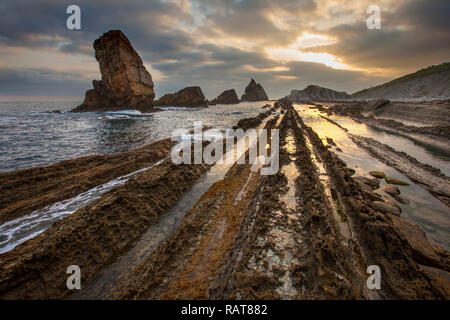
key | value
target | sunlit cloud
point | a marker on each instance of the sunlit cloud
(274, 69)
(297, 51)
(221, 44)
(284, 77)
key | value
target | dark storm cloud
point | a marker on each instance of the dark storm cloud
(414, 36)
(41, 82)
(197, 42)
(251, 19)
(43, 24)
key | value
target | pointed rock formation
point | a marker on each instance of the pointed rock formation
(125, 84)
(254, 92)
(227, 97)
(187, 97)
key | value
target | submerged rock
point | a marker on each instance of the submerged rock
(377, 174)
(330, 141)
(187, 97)
(422, 251)
(396, 181)
(254, 92)
(227, 97)
(125, 84)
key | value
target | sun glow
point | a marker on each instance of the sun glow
(298, 51)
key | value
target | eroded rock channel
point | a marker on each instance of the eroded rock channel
(307, 232)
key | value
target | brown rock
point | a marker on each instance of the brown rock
(248, 123)
(187, 97)
(227, 97)
(423, 252)
(367, 190)
(125, 84)
(391, 190)
(373, 183)
(385, 208)
(254, 92)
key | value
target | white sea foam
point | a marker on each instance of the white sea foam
(21, 229)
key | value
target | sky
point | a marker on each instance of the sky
(221, 44)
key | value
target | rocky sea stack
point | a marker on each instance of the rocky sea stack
(316, 93)
(254, 92)
(187, 97)
(125, 84)
(227, 97)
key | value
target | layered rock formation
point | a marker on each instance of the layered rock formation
(226, 97)
(187, 97)
(316, 93)
(429, 83)
(254, 92)
(125, 84)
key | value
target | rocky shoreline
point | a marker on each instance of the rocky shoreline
(430, 178)
(27, 190)
(307, 232)
(430, 118)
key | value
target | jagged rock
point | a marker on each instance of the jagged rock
(254, 92)
(187, 97)
(227, 97)
(125, 84)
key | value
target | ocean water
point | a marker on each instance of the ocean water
(30, 136)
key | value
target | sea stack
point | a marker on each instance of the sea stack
(254, 92)
(187, 97)
(125, 84)
(316, 93)
(227, 97)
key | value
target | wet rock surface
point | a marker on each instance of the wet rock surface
(258, 246)
(307, 232)
(430, 178)
(425, 121)
(125, 84)
(95, 235)
(385, 208)
(24, 191)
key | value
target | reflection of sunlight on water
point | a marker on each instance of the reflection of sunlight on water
(31, 137)
(424, 209)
